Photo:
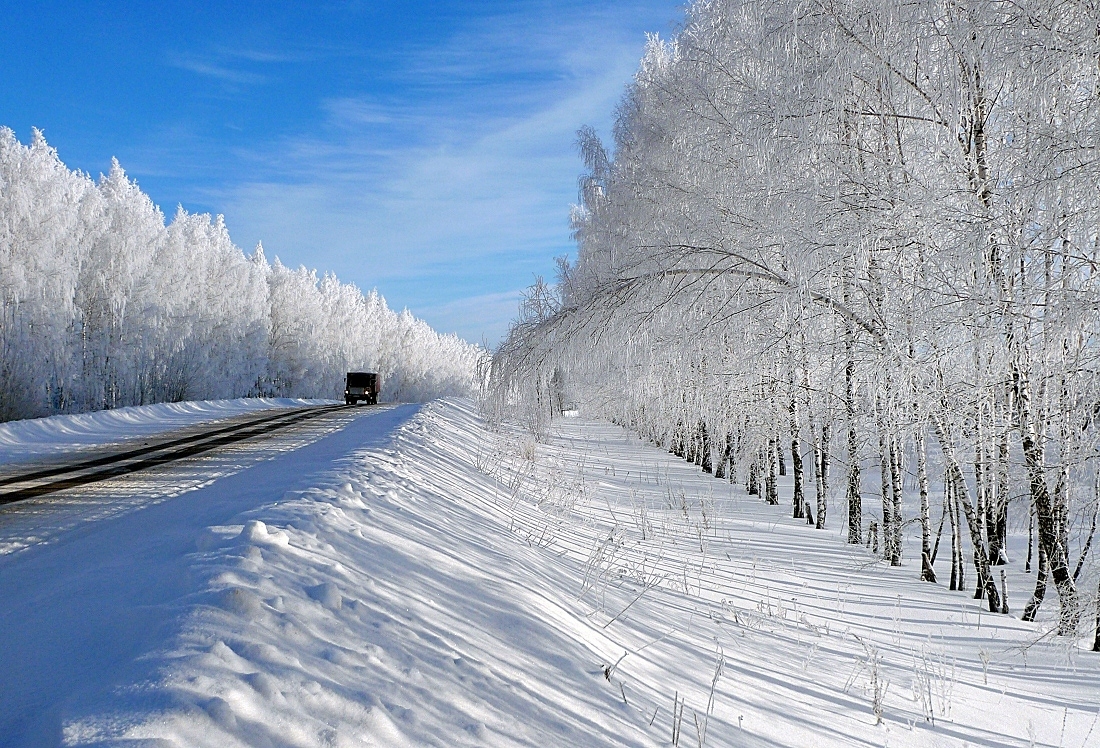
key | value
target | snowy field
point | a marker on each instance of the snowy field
(413, 579)
(64, 435)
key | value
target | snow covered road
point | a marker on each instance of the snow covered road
(78, 610)
(65, 437)
(167, 463)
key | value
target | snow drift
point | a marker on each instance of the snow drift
(429, 582)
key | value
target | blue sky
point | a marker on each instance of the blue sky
(424, 149)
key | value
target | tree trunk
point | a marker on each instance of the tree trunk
(887, 498)
(939, 531)
(704, 448)
(896, 488)
(956, 545)
(980, 486)
(724, 457)
(927, 573)
(997, 523)
(1096, 639)
(955, 476)
(822, 471)
(855, 508)
(799, 499)
(678, 439)
(1036, 601)
(952, 508)
(1030, 538)
(1050, 534)
(734, 448)
(771, 479)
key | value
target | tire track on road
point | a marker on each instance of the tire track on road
(131, 461)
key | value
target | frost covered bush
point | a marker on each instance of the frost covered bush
(103, 305)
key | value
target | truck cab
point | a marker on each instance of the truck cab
(361, 386)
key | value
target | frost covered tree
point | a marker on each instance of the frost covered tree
(864, 232)
(104, 305)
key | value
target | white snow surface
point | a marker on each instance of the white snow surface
(414, 579)
(64, 434)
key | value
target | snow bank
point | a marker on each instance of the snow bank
(387, 605)
(42, 437)
(443, 585)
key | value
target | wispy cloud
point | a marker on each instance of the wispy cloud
(216, 71)
(262, 56)
(237, 64)
(482, 319)
(445, 178)
(466, 185)
(353, 113)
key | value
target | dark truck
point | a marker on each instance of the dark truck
(361, 385)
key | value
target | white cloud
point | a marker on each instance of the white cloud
(478, 319)
(217, 71)
(446, 196)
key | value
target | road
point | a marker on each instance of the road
(78, 606)
(40, 500)
(22, 481)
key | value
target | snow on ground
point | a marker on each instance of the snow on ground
(42, 437)
(46, 518)
(416, 580)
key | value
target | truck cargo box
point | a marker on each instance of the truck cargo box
(362, 386)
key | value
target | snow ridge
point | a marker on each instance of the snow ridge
(454, 586)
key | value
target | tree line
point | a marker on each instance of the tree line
(863, 234)
(103, 305)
